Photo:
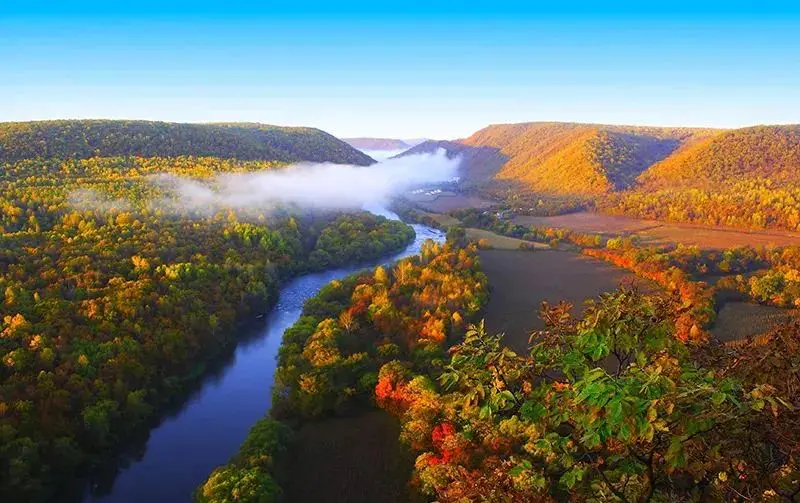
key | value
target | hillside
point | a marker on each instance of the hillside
(758, 152)
(569, 158)
(107, 138)
(741, 178)
(376, 143)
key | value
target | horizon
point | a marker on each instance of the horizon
(406, 138)
(434, 71)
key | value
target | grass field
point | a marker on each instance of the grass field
(443, 219)
(656, 232)
(499, 242)
(521, 280)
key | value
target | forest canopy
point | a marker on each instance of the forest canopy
(81, 139)
(112, 303)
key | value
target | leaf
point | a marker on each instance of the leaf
(517, 470)
(532, 411)
(614, 411)
(675, 456)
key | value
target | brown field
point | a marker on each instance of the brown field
(655, 232)
(499, 242)
(349, 460)
(448, 201)
(737, 320)
(521, 280)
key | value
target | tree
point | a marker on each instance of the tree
(610, 407)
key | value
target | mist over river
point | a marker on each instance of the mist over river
(208, 429)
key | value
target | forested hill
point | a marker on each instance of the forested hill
(746, 177)
(376, 143)
(570, 158)
(771, 152)
(108, 138)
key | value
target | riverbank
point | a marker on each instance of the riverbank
(184, 447)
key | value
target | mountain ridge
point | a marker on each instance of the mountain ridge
(106, 138)
(575, 158)
(369, 143)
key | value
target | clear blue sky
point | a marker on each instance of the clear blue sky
(417, 69)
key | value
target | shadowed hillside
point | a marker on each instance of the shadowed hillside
(107, 138)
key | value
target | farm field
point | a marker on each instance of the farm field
(737, 320)
(657, 232)
(522, 280)
(349, 459)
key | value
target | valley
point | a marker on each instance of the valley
(399, 252)
(157, 288)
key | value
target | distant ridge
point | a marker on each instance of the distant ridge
(106, 138)
(377, 143)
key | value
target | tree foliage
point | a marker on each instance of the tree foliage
(110, 303)
(611, 407)
(81, 139)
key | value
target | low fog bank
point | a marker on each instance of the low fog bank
(325, 186)
(382, 155)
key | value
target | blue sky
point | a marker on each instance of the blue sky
(441, 69)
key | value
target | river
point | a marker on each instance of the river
(209, 428)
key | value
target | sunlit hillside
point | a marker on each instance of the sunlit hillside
(762, 152)
(570, 158)
(743, 178)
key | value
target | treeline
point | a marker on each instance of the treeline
(610, 407)
(753, 203)
(355, 238)
(81, 139)
(329, 360)
(111, 304)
